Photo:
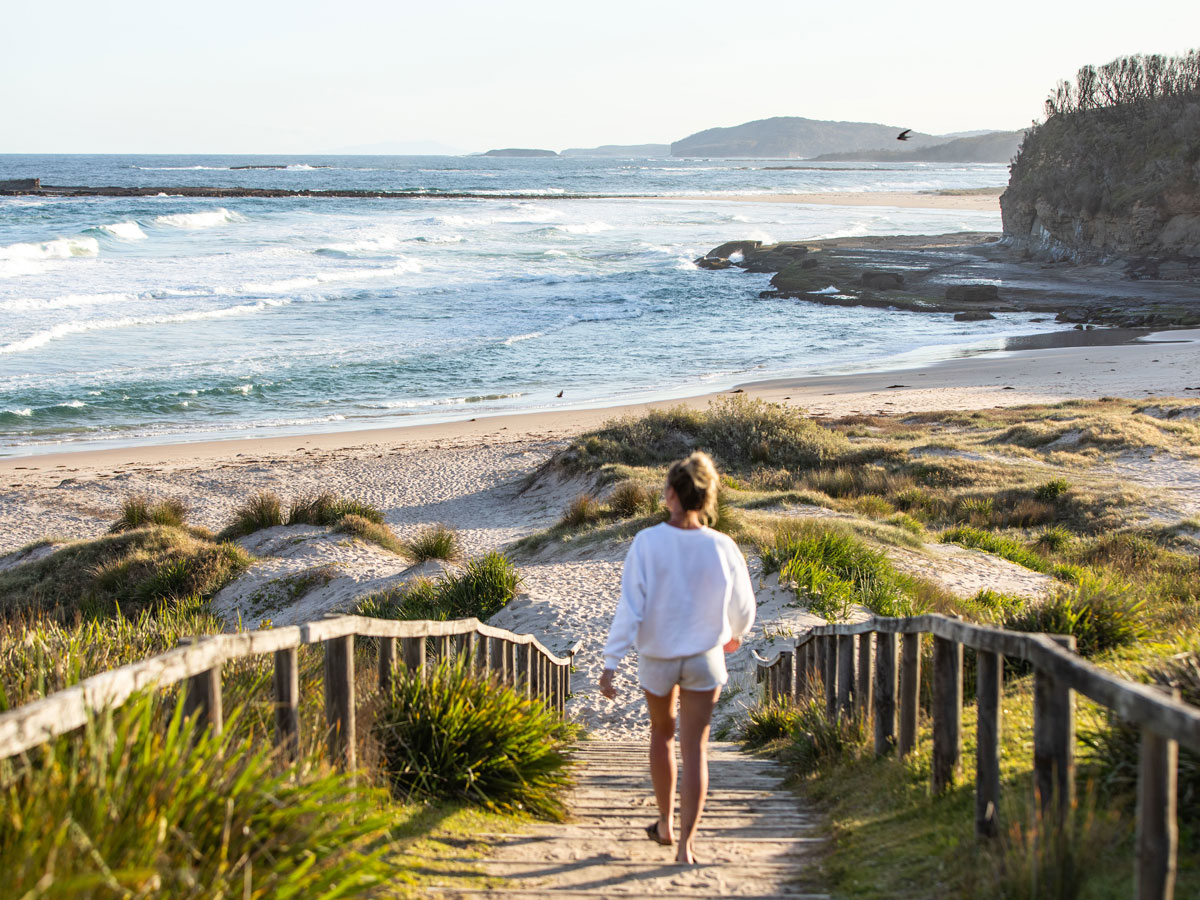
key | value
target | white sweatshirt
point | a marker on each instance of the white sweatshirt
(683, 591)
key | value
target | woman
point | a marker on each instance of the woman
(686, 600)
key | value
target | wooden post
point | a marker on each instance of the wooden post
(989, 669)
(1054, 742)
(443, 648)
(783, 687)
(862, 687)
(885, 693)
(414, 656)
(483, 656)
(461, 646)
(910, 692)
(387, 664)
(512, 651)
(1157, 827)
(947, 712)
(845, 673)
(339, 700)
(523, 672)
(555, 674)
(203, 699)
(802, 672)
(831, 682)
(287, 703)
(818, 661)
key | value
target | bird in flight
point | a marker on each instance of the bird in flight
(559, 394)
(903, 136)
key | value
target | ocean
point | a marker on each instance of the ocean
(153, 319)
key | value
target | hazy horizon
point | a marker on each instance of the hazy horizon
(241, 79)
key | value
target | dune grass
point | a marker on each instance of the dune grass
(482, 588)
(132, 570)
(139, 511)
(434, 542)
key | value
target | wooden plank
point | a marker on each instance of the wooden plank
(483, 655)
(910, 692)
(885, 694)
(845, 674)
(339, 700)
(989, 669)
(786, 677)
(863, 686)
(947, 713)
(203, 699)
(286, 681)
(1157, 826)
(802, 670)
(1054, 742)
(387, 664)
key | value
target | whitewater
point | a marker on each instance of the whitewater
(149, 319)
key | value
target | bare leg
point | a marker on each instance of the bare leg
(662, 759)
(695, 717)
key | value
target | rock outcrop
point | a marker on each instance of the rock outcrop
(520, 152)
(1117, 182)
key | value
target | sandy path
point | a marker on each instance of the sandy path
(754, 837)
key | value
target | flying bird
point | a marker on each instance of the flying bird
(903, 136)
(559, 394)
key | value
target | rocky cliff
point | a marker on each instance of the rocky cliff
(1119, 181)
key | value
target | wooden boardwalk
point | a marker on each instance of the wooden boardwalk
(755, 837)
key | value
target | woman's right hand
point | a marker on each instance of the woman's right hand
(607, 688)
(733, 646)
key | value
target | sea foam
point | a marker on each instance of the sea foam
(210, 219)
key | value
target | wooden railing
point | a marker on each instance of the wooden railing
(516, 659)
(858, 671)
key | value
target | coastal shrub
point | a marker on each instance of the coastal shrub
(1125, 551)
(368, 530)
(132, 808)
(328, 509)
(1115, 745)
(262, 510)
(1102, 614)
(818, 742)
(1051, 490)
(768, 722)
(139, 511)
(976, 510)
(434, 542)
(920, 502)
(994, 606)
(1054, 539)
(583, 510)
(483, 587)
(906, 522)
(873, 506)
(739, 433)
(1028, 513)
(454, 736)
(1006, 548)
(124, 572)
(632, 498)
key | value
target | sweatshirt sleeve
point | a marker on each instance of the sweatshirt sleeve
(630, 608)
(742, 604)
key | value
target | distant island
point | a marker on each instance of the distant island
(636, 151)
(992, 147)
(518, 151)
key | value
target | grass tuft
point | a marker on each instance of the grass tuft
(139, 511)
(263, 510)
(434, 542)
(453, 736)
(484, 587)
(1006, 548)
(632, 498)
(1101, 613)
(583, 510)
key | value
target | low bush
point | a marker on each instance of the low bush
(976, 510)
(768, 722)
(140, 511)
(1102, 613)
(263, 510)
(453, 736)
(583, 510)
(133, 808)
(1054, 539)
(484, 587)
(1051, 490)
(818, 741)
(328, 509)
(1028, 513)
(873, 506)
(434, 542)
(632, 498)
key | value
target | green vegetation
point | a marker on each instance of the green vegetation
(483, 587)
(347, 516)
(1102, 614)
(452, 735)
(139, 511)
(130, 571)
(263, 510)
(134, 809)
(434, 542)
(1006, 548)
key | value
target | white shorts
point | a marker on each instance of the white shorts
(700, 672)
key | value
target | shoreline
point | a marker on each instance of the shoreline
(1161, 363)
(894, 199)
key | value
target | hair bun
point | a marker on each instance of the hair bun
(695, 482)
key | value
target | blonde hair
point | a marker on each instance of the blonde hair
(695, 483)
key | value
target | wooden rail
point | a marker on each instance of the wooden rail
(884, 687)
(516, 659)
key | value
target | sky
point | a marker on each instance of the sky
(131, 76)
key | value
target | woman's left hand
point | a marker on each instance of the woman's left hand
(607, 688)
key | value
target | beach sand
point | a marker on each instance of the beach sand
(471, 475)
